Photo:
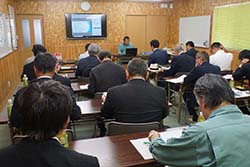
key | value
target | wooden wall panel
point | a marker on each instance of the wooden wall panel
(54, 22)
(184, 8)
(10, 65)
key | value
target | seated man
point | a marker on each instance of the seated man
(45, 108)
(28, 68)
(243, 71)
(220, 57)
(124, 45)
(214, 141)
(136, 101)
(86, 64)
(106, 75)
(158, 56)
(202, 67)
(86, 53)
(181, 63)
(44, 65)
(190, 49)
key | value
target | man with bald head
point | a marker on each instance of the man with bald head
(181, 62)
(86, 64)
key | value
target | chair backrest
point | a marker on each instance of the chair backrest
(117, 128)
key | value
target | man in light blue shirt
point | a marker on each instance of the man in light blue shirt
(123, 46)
(222, 140)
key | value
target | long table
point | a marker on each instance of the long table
(114, 151)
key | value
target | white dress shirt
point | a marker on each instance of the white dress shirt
(84, 55)
(222, 59)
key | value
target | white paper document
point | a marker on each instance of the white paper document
(83, 87)
(241, 94)
(142, 144)
(180, 79)
(228, 76)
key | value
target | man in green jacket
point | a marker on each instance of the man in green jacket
(222, 140)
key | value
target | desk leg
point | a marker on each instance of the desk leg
(180, 104)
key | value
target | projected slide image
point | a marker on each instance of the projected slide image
(81, 28)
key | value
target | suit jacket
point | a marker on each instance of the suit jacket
(65, 81)
(105, 76)
(181, 63)
(29, 71)
(242, 73)
(135, 102)
(41, 154)
(16, 118)
(192, 52)
(158, 56)
(199, 71)
(85, 65)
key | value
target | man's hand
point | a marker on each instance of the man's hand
(153, 135)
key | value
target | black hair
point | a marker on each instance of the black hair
(45, 62)
(214, 89)
(137, 67)
(38, 48)
(126, 37)
(87, 46)
(190, 43)
(216, 45)
(104, 54)
(155, 43)
(45, 107)
(244, 54)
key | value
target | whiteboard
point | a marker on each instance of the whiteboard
(196, 29)
(5, 35)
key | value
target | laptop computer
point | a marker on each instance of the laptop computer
(131, 52)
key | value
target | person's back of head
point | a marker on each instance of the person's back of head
(38, 48)
(189, 45)
(202, 57)
(244, 54)
(179, 48)
(104, 55)
(216, 46)
(87, 46)
(44, 63)
(137, 68)
(154, 43)
(45, 108)
(213, 90)
(94, 49)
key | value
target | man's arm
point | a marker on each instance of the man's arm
(193, 148)
(92, 84)
(108, 107)
(192, 76)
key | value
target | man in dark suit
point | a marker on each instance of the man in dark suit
(28, 68)
(86, 64)
(202, 67)
(136, 101)
(158, 56)
(46, 107)
(106, 75)
(44, 66)
(190, 49)
(243, 71)
(181, 63)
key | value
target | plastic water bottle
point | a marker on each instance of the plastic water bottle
(231, 83)
(201, 117)
(64, 140)
(25, 80)
(9, 107)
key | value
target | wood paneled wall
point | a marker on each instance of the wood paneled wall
(10, 66)
(54, 22)
(185, 8)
